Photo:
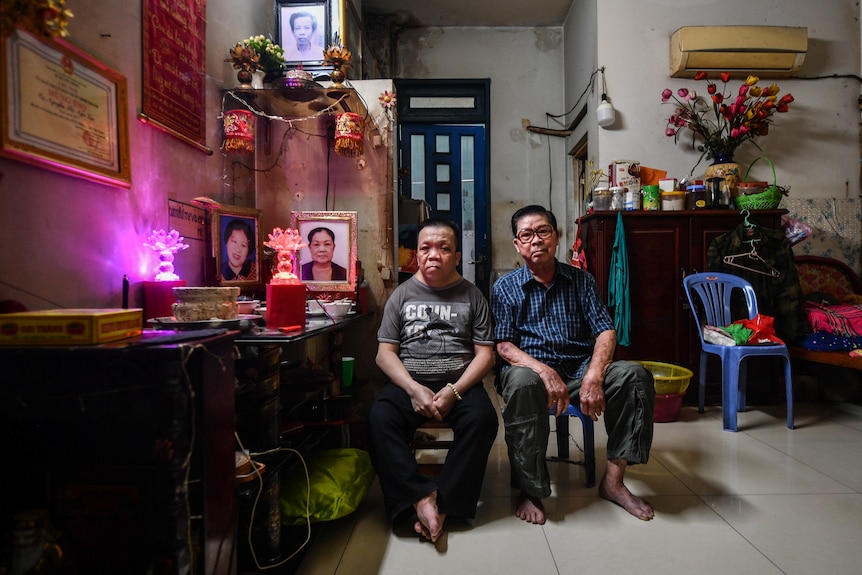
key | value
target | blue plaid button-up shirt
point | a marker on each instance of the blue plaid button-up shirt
(556, 325)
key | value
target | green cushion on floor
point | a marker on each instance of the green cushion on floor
(339, 480)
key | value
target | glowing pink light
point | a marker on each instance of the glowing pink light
(167, 244)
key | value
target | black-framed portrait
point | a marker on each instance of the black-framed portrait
(237, 246)
(328, 261)
(303, 30)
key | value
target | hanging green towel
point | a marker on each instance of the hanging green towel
(618, 286)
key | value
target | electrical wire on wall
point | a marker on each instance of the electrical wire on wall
(549, 132)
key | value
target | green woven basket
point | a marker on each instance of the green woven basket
(768, 199)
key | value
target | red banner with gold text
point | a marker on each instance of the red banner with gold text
(175, 68)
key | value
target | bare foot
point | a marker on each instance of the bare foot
(530, 509)
(614, 490)
(430, 524)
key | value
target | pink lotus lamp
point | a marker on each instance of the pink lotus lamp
(285, 294)
(286, 243)
(167, 244)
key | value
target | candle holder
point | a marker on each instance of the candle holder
(338, 57)
(286, 243)
(285, 294)
(167, 244)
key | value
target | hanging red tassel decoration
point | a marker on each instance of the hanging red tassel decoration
(348, 134)
(239, 132)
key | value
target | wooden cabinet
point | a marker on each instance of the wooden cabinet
(129, 448)
(663, 247)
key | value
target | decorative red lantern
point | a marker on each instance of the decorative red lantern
(239, 131)
(348, 134)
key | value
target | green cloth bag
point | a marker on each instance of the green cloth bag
(339, 480)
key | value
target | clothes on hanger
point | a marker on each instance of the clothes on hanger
(778, 294)
(752, 261)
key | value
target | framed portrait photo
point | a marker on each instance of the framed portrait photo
(328, 262)
(63, 110)
(237, 246)
(303, 30)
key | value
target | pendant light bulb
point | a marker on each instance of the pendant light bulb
(605, 113)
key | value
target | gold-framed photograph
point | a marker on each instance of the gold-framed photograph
(237, 246)
(328, 262)
(63, 110)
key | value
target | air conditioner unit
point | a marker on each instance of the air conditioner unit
(765, 51)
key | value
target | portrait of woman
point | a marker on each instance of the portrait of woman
(301, 35)
(239, 253)
(327, 260)
(321, 248)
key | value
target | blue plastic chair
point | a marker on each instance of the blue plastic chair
(709, 294)
(589, 441)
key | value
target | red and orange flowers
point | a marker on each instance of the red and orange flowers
(724, 122)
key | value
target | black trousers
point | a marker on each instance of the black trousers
(391, 425)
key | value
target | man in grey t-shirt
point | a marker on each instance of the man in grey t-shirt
(435, 346)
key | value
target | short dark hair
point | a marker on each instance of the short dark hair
(442, 223)
(321, 229)
(302, 14)
(243, 226)
(532, 210)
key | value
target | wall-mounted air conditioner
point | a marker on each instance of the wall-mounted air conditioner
(765, 51)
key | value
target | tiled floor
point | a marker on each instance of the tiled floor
(764, 500)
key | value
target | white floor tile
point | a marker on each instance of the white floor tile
(763, 500)
(799, 533)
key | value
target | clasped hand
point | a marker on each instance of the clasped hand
(430, 404)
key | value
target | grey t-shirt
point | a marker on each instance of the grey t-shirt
(436, 328)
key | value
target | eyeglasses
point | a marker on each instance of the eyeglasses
(544, 232)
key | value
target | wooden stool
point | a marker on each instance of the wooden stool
(423, 440)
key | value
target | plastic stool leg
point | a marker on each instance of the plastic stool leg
(563, 436)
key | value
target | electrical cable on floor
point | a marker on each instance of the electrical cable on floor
(259, 475)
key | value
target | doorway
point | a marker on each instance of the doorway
(444, 162)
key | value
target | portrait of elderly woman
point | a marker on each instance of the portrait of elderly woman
(327, 260)
(321, 248)
(303, 31)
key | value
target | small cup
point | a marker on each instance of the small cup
(347, 372)
(314, 306)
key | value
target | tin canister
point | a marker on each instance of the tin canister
(696, 197)
(632, 199)
(618, 197)
(651, 197)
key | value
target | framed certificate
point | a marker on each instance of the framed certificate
(63, 110)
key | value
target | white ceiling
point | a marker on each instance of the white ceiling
(472, 12)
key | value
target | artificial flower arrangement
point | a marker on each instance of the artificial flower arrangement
(256, 53)
(271, 54)
(722, 121)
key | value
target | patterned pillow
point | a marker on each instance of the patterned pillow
(823, 278)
